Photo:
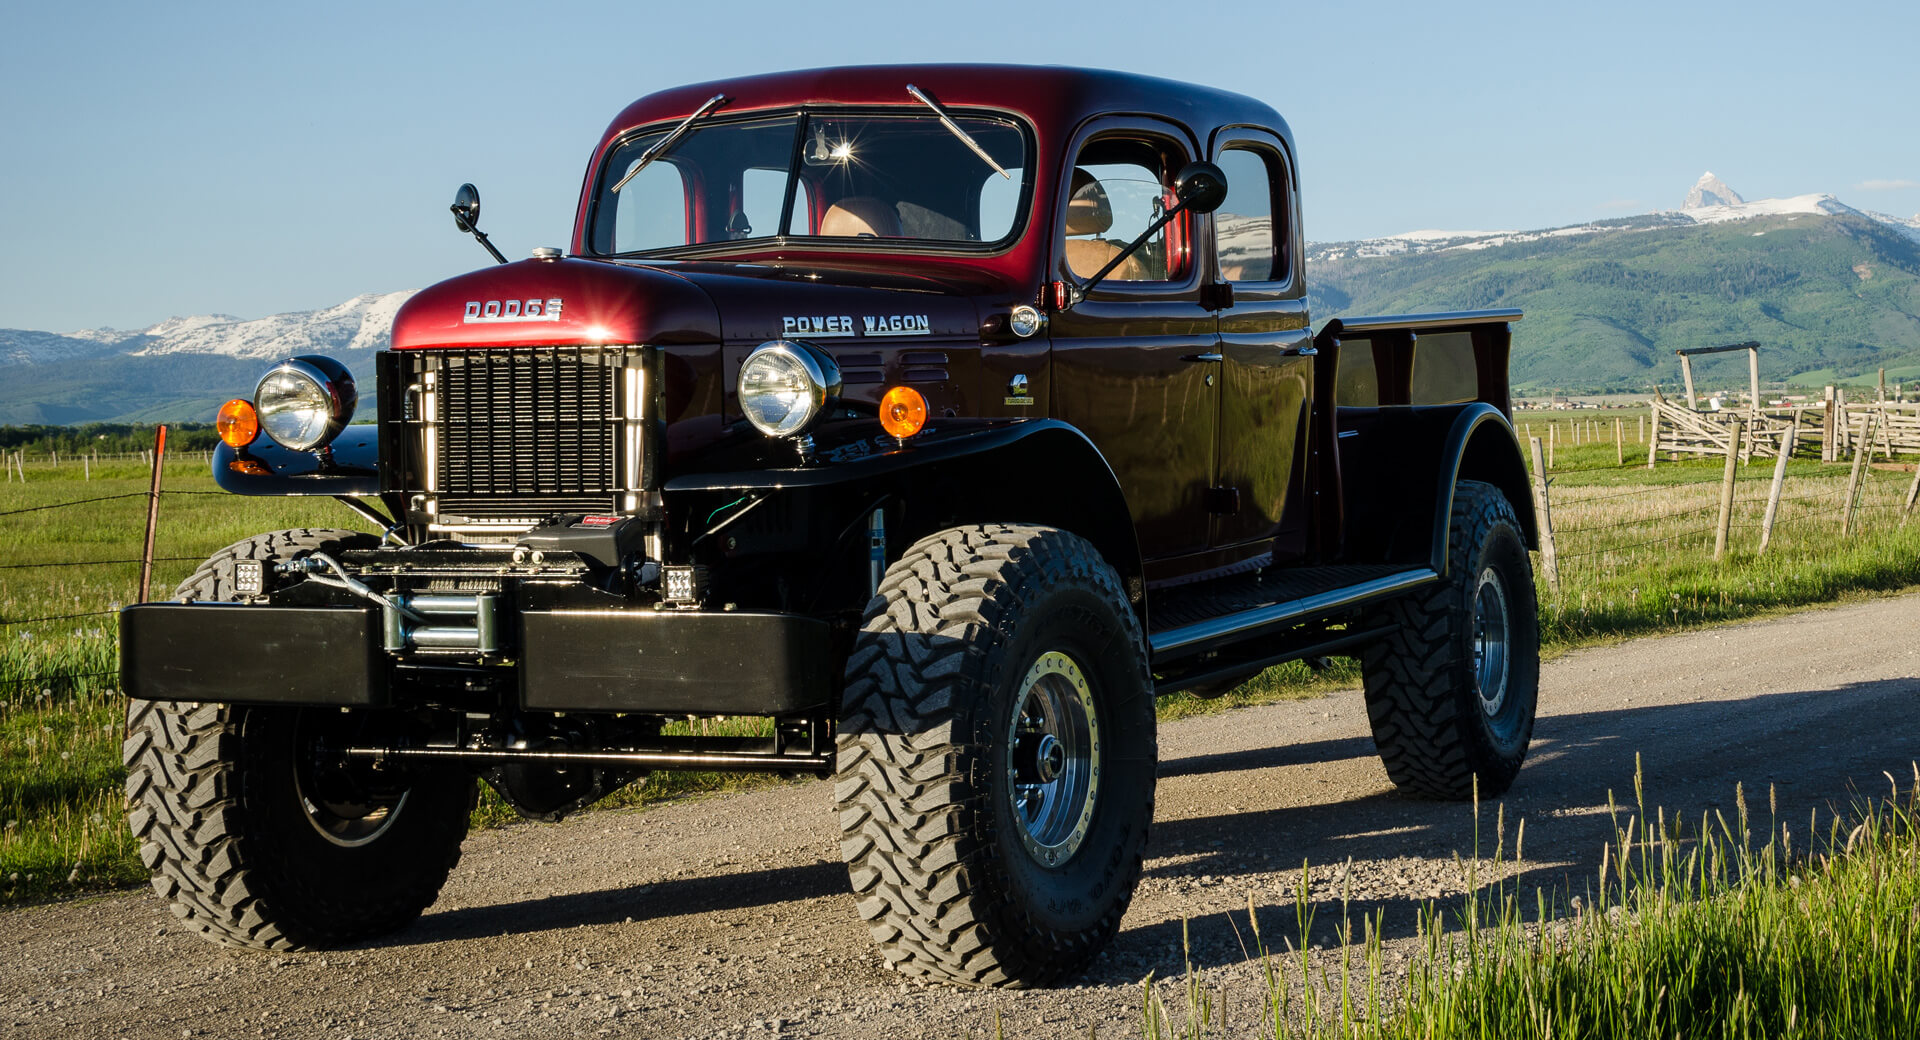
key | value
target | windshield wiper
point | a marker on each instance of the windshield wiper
(674, 135)
(957, 132)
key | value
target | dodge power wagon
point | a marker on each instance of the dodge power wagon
(938, 418)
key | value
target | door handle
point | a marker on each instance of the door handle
(1204, 357)
(1302, 352)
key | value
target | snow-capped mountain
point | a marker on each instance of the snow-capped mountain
(1711, 191)
(1710, 202)
(362, 323)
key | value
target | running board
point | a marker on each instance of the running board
(1226, 629)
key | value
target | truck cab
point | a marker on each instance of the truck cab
(940, 416)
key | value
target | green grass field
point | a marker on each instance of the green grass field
(1635, 552)
(1724, 928)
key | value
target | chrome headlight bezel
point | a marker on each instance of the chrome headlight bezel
(329, 387)
(816, 371)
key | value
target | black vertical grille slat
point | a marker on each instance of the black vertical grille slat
(526, 432)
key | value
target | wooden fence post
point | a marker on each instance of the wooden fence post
(1826, 429)
(1779, 482)
(1726, 493)
(1619, 442)
(1653, 443)
(1913, 492)
(1553, 434)
(153, 511)
(1543, 511)
(1861, 449)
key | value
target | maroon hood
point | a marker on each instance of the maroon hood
(563, 302)
(537, 303)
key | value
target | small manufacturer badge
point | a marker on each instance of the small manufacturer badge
(1017, 393)
(488, 312)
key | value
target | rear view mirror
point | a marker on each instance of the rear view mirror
(1200, 185)
(466, 208)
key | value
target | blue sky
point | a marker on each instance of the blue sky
(176, 159)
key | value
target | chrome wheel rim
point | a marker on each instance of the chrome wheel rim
(1491, 632)
(1053, 758)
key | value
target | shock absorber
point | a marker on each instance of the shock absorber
(876, 549)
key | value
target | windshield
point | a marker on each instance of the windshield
(904, 179)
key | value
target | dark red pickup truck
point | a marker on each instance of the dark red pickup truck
(938, 417)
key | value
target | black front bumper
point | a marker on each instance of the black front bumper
(642, 661)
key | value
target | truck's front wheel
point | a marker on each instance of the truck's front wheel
(996, 757)
(1451, 693)
(256, 839)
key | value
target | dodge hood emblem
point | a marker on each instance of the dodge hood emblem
(481, 312)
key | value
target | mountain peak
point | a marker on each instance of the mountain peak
(1711, 191)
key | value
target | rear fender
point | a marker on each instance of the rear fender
(1400, 466)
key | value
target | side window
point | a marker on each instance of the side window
(1118, 187)
(1250, 243)
(651, 211)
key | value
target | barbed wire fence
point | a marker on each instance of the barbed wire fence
(1736, 507)
(17, 465)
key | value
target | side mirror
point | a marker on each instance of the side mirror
(1200, 186)
(466, 217)
(466, 208)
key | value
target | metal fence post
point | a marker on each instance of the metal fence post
(153, 511)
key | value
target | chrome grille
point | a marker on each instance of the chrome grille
(512, 435)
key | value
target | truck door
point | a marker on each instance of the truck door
(1133, 362)
(1266, 346)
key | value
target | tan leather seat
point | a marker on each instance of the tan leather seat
(861, 216)
(1090, 212)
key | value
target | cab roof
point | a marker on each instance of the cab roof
(1055, 99)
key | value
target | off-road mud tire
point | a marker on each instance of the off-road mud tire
(1423, 696)
(933, 845)
(211, 797)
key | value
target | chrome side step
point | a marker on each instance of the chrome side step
(1230, 628)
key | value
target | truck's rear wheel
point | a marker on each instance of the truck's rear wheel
(1451, 693)
(253, 838)
(996, 757)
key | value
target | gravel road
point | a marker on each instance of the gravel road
(729, 916)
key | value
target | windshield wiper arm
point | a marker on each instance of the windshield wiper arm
(964, 137)
(668, 141)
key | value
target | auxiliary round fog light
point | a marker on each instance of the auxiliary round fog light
(903, 412)
(238, 424)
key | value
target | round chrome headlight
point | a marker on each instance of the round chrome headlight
(784, 386)
(305, 402)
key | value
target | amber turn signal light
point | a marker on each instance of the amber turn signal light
(238, 423)
(903, 412)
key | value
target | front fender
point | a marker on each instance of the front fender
(957, 472)
(352, 467)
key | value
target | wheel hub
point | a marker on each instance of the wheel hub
(1054, 755)
(1491, 630)
(338, 802)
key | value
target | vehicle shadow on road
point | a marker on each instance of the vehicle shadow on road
(656, 900)
(1819, 751)
(1815, 746)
